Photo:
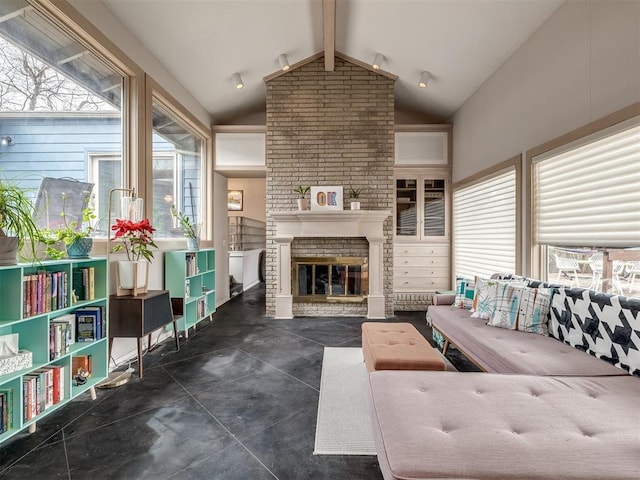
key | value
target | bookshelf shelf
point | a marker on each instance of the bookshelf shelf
(190, 278)
(33, 299)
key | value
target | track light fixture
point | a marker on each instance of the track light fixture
(237, 81)
(377, 61)
(284, 63)
(424, 79)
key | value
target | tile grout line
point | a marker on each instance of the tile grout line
(235, 438)
(66, 454)
(278, 369)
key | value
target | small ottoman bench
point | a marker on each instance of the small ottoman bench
(397, 346)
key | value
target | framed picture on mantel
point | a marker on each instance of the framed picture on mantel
(326, 198)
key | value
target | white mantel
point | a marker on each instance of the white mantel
(330, 224)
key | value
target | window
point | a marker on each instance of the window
(586, 203)
(58, 101)
(177, 170)
(486, 225)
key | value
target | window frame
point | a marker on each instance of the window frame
(535, 253)
(488, 174)
(154, 92)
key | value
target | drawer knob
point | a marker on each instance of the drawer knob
(406, 273)
(406, 251)
(406, 283)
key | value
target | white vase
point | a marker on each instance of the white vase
(303, 204)
(355, 205)
(132, 276)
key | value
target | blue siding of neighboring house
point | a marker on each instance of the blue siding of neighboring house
(60, 146)
(55, 147)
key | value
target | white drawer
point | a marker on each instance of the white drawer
(421, 250)
(420, 272)
(421, 261)
(420, 284)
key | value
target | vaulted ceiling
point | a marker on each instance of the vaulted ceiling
(203, 42)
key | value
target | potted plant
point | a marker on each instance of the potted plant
(187, 228)
(16, 222)
(303, 202)
(354, 194)
(136, 241)
(76, 236)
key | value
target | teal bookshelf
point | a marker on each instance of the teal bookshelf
(190, 278)
(32, 324)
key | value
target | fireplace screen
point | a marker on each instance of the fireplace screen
(330, 279)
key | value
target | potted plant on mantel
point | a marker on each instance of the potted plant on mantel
(188, 229)
(303, 202)
(16, 222)
(354, 195)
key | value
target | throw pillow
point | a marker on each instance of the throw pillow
(518, 307)
(605, 326)
(506, 307)
(533, 313)
(485, 297)
(465, 291)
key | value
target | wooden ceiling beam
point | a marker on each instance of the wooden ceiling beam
(329, 22)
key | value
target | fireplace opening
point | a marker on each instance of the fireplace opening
(330, 279)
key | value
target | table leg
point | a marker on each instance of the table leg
(175, 334)
(140, 357)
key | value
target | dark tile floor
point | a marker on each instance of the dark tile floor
(238, 401)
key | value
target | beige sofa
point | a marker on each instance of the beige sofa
(545, 410)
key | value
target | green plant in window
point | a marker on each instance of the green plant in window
(185, 225)
(16, 222)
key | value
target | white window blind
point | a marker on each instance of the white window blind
(485, 226)
(589, 194)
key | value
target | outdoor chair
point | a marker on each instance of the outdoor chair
(567, 266)
(633, 269)
(595, 262)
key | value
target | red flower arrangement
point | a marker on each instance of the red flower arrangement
(136, 238)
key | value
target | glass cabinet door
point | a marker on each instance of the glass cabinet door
(406, 207)
(434, 208)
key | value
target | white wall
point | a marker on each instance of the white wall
(102, 18)
(254, 204)
(220, 236)
(583, 63)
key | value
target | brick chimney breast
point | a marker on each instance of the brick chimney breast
(330, 128)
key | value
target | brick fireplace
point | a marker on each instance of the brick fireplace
(330, 128)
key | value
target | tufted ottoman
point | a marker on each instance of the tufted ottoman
(397, 346)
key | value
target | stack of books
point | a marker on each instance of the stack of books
(43, 292)
(84, 284)
(42, 389)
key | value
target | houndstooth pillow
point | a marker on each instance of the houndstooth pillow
(605, 326)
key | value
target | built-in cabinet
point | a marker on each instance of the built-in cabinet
(422, 215)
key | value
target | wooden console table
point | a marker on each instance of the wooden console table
(137, 317)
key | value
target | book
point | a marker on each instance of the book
(54, 291)
(7, 409)
(78, 284)
(69, 320)
(98, 313)
(86, 326)
(91, 272)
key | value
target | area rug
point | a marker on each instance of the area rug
(343, 426)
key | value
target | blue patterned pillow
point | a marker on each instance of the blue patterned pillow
(521, 308)
(465, 291)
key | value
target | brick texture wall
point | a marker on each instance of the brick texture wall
(330, 128)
